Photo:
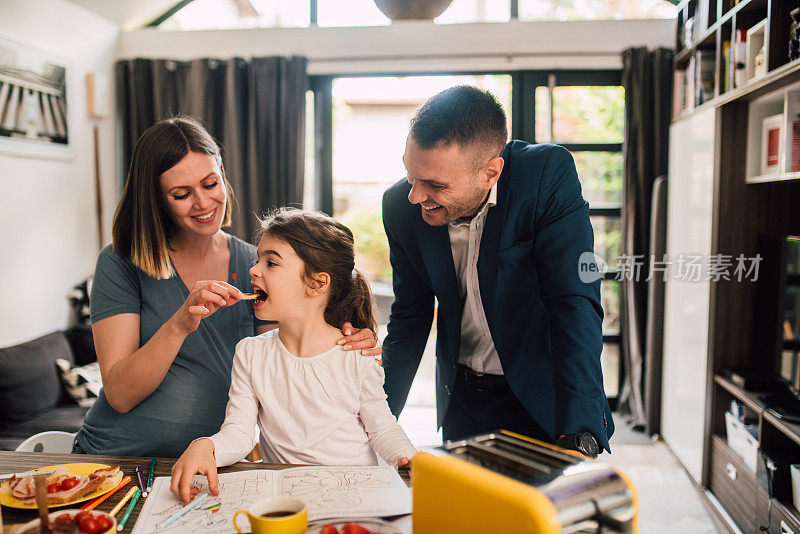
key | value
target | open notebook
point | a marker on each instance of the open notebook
(329, 492)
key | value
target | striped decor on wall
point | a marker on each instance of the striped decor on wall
(33, 106)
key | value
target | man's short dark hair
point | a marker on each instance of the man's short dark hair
(464, 115)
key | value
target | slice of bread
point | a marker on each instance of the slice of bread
(8, 486)
(101, 480)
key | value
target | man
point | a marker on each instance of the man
(495, 233)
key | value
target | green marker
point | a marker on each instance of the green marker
(150, 476)
(134, 500)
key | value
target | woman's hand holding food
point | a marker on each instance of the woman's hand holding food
(205, 297)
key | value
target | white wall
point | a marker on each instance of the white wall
(48, 231)
(418, 46)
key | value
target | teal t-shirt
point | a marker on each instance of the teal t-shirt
(190, 401)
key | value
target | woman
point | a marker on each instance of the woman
(166, 373)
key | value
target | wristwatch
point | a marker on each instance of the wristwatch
(583, 442)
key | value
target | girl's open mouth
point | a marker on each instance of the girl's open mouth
(262, 295)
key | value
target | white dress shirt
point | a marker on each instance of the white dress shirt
(326, 409)
(477, 349)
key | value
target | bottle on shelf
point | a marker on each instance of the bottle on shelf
(794, 35)
(795, 163)
(739, 58)
(688, 33)
(760, 67)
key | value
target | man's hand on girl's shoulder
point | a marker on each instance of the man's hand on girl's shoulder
(362, 339)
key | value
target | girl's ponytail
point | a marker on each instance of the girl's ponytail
(363, 315)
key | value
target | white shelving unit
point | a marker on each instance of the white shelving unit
(787, 103)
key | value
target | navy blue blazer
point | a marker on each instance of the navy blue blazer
(545, 322)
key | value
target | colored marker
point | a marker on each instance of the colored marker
(125, 499)
(134, 500)
(183, 511)
(140, 478)
(150, 476)
(91, 505)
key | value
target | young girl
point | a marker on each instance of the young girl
(314, 402)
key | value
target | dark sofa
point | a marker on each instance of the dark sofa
(32, 397)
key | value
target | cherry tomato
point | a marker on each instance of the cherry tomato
(69, 483)
(80, 515)
(355, 528)
(63, 518)
(89, 524)
(328, 529)
(104, 522)
(55, 487)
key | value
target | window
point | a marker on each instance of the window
(234, 15)
(350, 13)
(581, 110)
(238, 14)
(539, 10)
(461, 11)
(585, 112)
(364, 165)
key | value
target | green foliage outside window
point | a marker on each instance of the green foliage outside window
(372, 246)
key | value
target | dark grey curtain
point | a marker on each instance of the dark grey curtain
(255, 109)
(647, 78)
(654, 340)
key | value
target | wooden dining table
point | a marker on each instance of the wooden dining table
(15, 462)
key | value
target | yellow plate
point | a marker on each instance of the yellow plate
(74, 469)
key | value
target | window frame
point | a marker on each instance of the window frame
(523, 121)
(523, 125)
(513, 6)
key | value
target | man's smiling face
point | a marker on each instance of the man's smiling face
(444, 182)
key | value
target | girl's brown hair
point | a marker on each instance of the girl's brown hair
(326, 246)
(142, 225)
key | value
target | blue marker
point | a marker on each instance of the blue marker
(183, 511)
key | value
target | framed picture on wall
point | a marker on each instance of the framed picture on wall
(34, 117)
(771, 144)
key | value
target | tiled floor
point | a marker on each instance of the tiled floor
(668, 501)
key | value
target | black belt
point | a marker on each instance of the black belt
(480, 381)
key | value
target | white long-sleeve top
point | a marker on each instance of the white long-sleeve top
(328, 409)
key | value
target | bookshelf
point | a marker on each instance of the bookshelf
(729, 192)
(724, 45)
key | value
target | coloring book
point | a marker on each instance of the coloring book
(329, 492)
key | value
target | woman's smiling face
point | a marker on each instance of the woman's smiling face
(195, 194)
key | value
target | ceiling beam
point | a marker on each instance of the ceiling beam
(168, 13)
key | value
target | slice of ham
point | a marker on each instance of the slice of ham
(26, 487)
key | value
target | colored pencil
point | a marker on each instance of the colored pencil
(125, 499)
(141, 479)
(91, 505)
(183, 511)
(134, 500)
(150, 476)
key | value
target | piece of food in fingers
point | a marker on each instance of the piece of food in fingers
(258, 295)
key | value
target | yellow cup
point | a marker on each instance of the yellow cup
(264, 518)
